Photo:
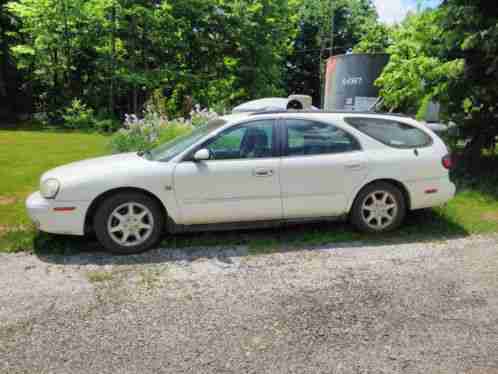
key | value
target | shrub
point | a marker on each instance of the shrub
(140, 134)
(199, 116)
(107, 125)
(79, 116)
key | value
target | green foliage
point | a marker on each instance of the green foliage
(79, 116)
(312, 45)
(129, 142)
(141, 138)
(376, 38)
(471, 32)
(418, 71)
(158, 103)
(448, 55)
(140, 134)
(115, 53)
(106, 124)
(11, 99)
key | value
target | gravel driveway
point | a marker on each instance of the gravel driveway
(410, 308)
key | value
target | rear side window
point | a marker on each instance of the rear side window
(392, 133)
(306, 138)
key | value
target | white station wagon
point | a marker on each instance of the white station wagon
(251, 169)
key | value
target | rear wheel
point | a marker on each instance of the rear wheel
(379, 207)
(129, 223)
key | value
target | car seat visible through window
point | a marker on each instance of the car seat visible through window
(255, 144)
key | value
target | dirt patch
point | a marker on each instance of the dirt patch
(492, 216)
(3, 229)
(6, 229)
(7, 200)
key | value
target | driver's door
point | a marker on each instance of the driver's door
(240, 181)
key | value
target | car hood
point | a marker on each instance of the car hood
(99, 166)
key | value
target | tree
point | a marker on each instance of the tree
(376, 38)
(115, 53)
(53, 32)
(10, 79)
(313, 45)
(471, 34)
(448, 55)
(418, 70)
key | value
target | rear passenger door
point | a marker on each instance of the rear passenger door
(321, 165)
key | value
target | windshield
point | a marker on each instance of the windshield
(167, 151)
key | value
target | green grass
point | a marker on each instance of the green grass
(25, 155)
(99, 276)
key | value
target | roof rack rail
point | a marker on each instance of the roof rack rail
(329, 112)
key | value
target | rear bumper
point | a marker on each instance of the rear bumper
(431, 192)
(57, 217)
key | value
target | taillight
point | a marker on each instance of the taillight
(447, 162)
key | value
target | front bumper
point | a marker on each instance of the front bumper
(46, 216)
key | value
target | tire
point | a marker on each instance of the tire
(379, 207)
(129, 222)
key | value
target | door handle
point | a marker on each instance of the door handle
(354, 166)
(262, 172)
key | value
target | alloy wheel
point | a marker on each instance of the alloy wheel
(379, 210)
(130, 224)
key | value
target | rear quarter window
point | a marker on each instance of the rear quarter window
(392, 133)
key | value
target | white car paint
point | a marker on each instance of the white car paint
(222, 199)
(308, 191)
(231, 191)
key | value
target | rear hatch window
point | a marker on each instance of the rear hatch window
(392, 133)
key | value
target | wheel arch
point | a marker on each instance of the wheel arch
(92, 209)
(394, 182)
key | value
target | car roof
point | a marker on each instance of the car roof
(330, 115)
(342, 113)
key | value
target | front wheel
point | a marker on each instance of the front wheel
(129, 223)
(379, 207)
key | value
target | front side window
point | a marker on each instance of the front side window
(391, 133)
(315, 138)
(251, 140)
(167, 151)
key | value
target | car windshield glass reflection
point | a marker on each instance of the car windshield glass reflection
(167, 151)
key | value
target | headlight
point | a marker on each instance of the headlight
(49, 188)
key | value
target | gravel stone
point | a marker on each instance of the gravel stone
(428, 307)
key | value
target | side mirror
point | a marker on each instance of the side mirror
(202, 155)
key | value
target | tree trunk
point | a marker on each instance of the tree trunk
(3, 63)
(322, 73)
(55, 81)
(135, 99)
(473, 150)
(67, 51)
(112, 60)
(133, 25)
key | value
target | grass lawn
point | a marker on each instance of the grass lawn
(25, 155)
